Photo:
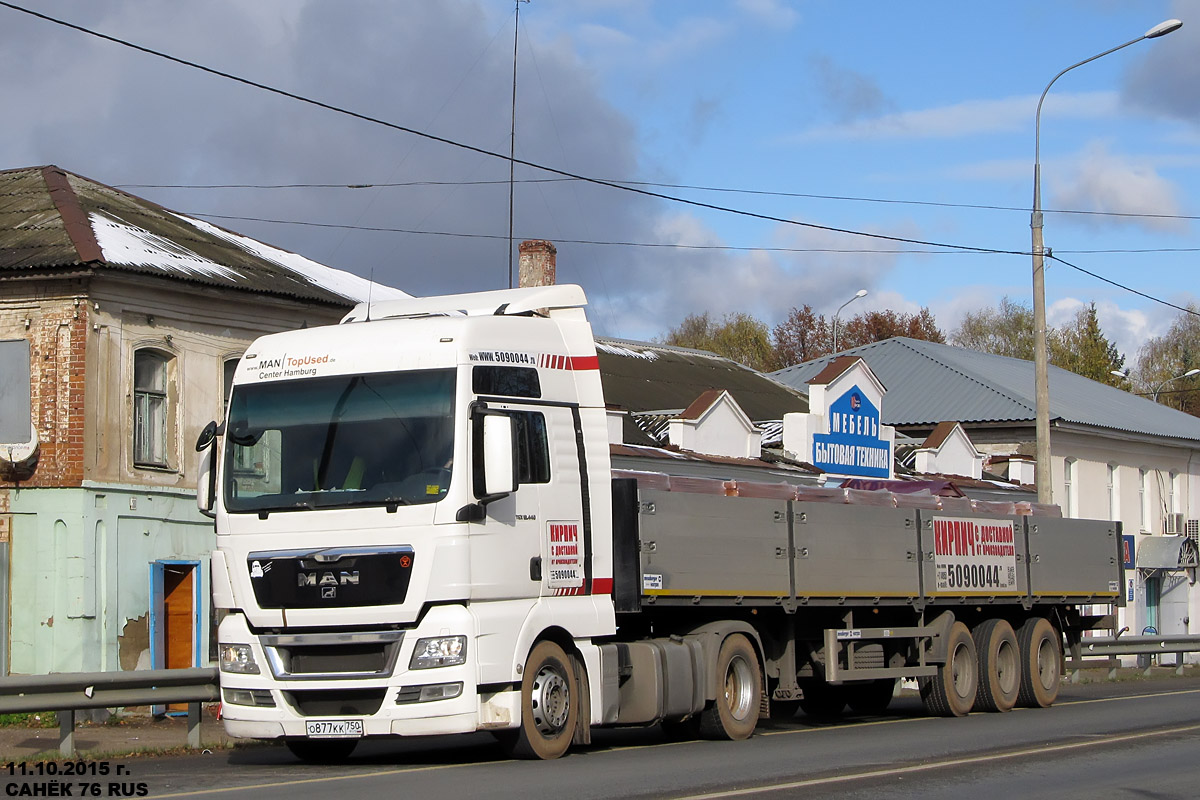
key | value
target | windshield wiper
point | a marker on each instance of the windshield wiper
(391, 502)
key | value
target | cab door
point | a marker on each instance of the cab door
(532, 542)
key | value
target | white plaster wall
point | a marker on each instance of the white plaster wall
(1093, 455)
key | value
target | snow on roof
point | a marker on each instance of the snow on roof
(340, 282)
(122, 243)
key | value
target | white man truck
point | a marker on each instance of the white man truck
(419, 532)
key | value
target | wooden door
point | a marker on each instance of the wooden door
(179, 601)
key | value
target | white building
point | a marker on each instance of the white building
(1114, 455)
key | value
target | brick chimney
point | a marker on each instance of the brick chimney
(536, 264)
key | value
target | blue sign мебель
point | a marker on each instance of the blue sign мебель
(853, 445)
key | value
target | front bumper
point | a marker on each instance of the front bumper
(349, 681)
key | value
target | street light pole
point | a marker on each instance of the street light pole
(1188, 374)
(1040, 358)
(858, 294)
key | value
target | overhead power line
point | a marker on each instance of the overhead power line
(632, 187)
(559, 240)
(492, 154)
(694, 187)
(675, 245)
(1129, 289)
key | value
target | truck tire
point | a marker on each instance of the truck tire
(549, 705)
(1040, 647)
(734, 713)
(872, 697)
(951, 692)
(999, 665)
(321, 751)
(822, 700)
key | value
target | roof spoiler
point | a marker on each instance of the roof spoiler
(503, 302)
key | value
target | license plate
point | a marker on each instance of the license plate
(334, 728)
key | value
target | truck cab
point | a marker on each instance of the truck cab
(405, 504)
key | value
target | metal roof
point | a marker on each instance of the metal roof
(644, 376)
(51, 220)
(930, 383)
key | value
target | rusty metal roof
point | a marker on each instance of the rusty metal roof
(643, 376)
(51, 220)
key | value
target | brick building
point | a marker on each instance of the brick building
(120, 325)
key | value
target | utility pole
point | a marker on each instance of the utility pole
(512, 141)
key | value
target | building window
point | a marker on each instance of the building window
(150, 408)
(1143, 501)
(1069, 477)
(1114, 488)
(1172, 496)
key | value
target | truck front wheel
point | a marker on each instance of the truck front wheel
(734, 713)
(549, 704)
(951, 692)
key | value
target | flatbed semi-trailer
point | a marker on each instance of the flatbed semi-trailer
(420, 532)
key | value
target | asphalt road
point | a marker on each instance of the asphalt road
(1121, 740)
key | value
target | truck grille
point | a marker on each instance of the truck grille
(363, 654)
(336, 702)
(335, 577)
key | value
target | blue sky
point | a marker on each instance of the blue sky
(928, 106)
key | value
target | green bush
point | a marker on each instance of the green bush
(35, 719)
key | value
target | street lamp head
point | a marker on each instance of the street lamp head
(1163, 28)
(1120, 373)
(861, 293)
(1191, 372)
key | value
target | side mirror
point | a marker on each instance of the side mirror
(499, 455)
(206, 470)
(206, 437)
(494, 458)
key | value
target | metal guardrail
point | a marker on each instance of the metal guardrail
(67, 692)
(1109, 647)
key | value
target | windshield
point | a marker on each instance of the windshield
(381, 439)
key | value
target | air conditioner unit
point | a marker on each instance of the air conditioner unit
(1173, 524)
(1192, 530)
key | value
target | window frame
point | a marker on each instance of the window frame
(1114, 489)
(1070, 487)
(1143, 500)
(151, 412)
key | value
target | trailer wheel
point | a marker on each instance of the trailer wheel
(872, 697)
(1041, 663)
(951, 692)
(734, 714)
(321, 751)
(822, 700)
(999, 665)
(549, 704)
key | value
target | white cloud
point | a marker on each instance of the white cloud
(772, 12)
(687, 38)
(968, 118)
(1102, 181)
(764, 284)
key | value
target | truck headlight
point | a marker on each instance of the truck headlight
(238, 658)
(439, 651)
